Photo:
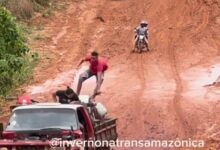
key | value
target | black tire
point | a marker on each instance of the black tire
(139, 47)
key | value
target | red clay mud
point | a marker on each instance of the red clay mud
(161, 94)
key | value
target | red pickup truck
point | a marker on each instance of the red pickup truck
(33, 127)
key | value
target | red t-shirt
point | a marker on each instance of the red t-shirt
(100, 66)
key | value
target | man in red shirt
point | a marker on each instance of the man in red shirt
(97, 68)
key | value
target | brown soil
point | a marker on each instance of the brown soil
(162, 94)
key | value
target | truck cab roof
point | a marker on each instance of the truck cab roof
(49, 105)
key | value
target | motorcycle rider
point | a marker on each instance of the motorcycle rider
(142, 29)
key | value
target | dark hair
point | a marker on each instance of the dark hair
(94, 53)
(69, 90)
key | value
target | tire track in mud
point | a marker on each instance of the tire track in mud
(176, 103)
(135, 63)
(142, 74)
(139, 64)
(205, 17)
(138, 60)
(186, 129)
(207, 30)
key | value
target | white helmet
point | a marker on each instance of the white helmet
(144, 22)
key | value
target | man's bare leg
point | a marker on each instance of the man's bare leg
(79, 85)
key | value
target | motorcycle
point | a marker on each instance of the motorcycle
(141, 43)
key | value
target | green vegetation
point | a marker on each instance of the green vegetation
(16, 62)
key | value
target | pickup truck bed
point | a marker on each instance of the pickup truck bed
(106, 130)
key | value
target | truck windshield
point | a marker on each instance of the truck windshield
(37, 119)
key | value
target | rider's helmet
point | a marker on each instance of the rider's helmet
(24, 100)
(143, 23)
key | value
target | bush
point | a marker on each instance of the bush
(14, 54)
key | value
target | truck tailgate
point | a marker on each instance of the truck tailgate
(106, 130)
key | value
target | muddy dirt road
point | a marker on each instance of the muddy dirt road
(161, 94)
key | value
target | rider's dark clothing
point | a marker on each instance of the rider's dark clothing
(63, 99)
(142, 31)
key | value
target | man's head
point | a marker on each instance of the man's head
(69, 92)
(94, 56)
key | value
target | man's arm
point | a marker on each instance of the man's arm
(80, 63)
(135, 30)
